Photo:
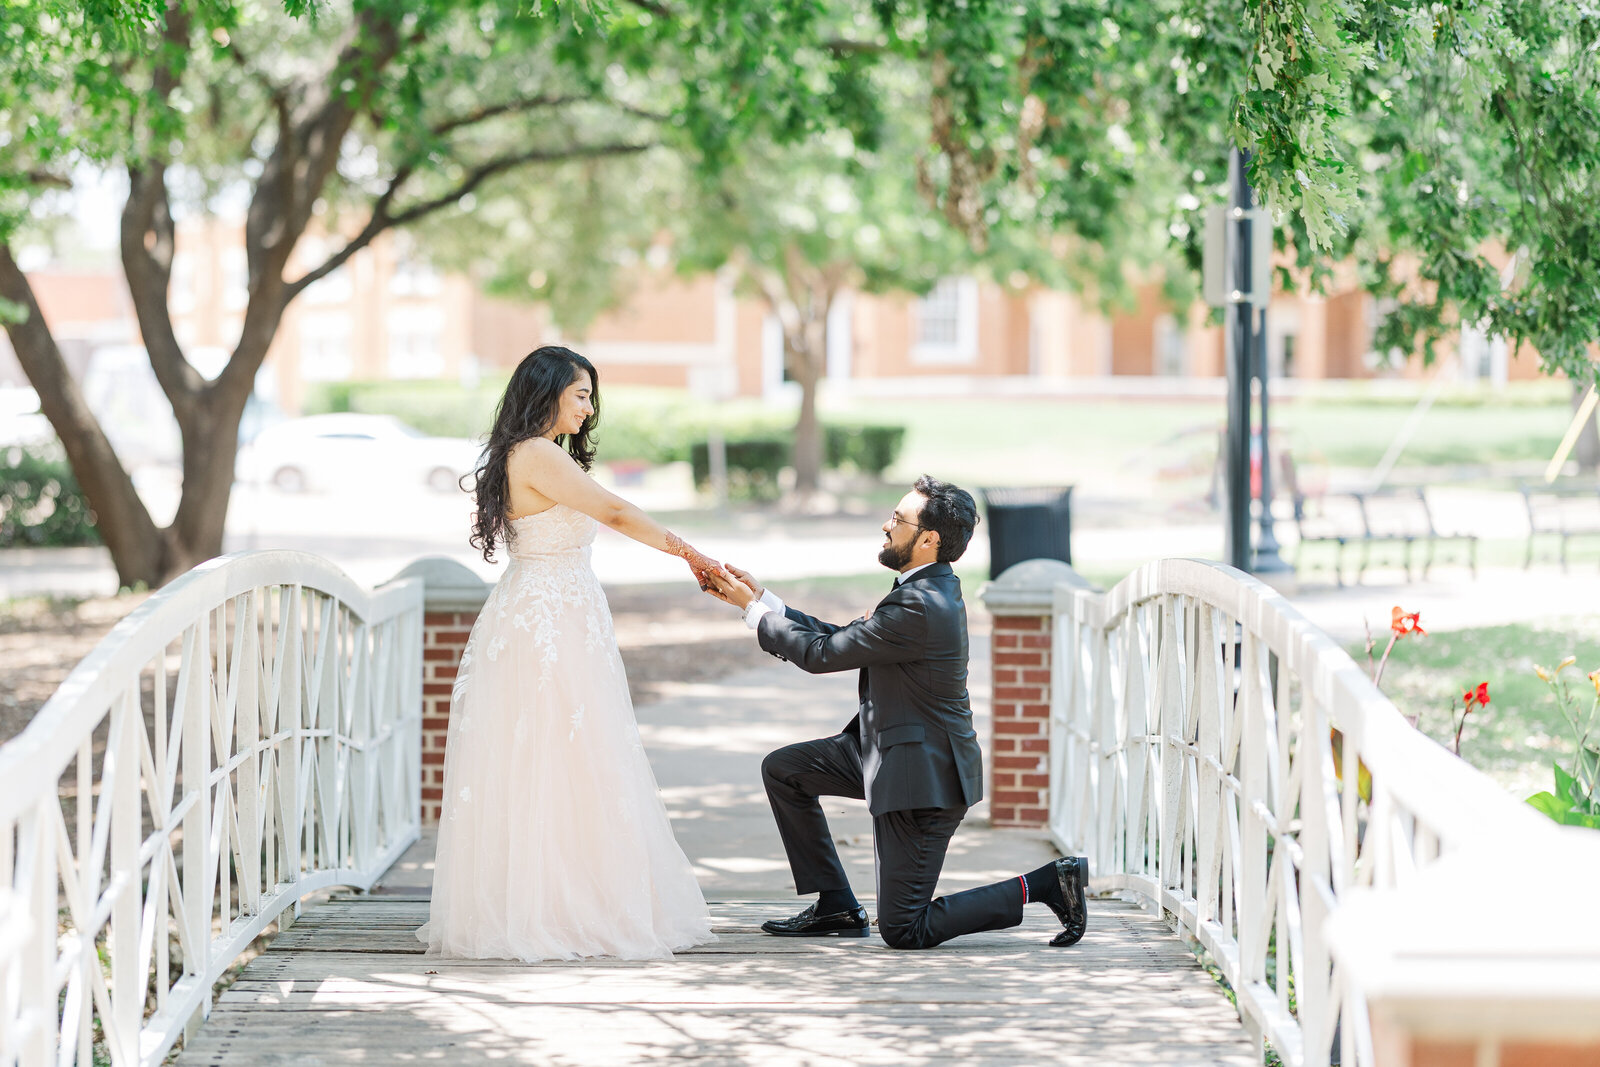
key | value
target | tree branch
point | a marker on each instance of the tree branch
(658, 10)
(508, 107)
(383, 219)
(147, 237)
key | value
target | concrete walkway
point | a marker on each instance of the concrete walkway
(348, 983)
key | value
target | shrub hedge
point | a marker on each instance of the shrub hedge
(41, 504)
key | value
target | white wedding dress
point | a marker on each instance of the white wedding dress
(553, 842)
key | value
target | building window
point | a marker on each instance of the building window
(413, 277)
(415, 342)
(332, 288)
(1170, 344)
(325, 349)
(181, 294)
(945, 323)
(235, 279)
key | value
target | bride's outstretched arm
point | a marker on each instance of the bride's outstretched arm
(548, 468)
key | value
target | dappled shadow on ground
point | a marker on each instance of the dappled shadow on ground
(347, 985)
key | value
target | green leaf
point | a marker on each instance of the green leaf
(1548, 804)
(1567, 786)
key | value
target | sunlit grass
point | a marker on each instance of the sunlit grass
(1521, 732)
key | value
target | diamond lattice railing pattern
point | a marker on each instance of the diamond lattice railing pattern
(1216, 754)
(248, 735)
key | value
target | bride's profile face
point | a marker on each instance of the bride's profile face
(575, 407)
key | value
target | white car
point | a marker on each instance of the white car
(324, 451)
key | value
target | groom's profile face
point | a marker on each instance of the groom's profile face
(901, 531)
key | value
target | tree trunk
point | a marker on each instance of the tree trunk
(807, 357)
(1587, 450)
(140, 550)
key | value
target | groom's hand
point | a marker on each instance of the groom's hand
(747, 578)
(726, 587)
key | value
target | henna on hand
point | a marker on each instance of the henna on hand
(700, 565)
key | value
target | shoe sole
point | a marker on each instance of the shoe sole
(818, 933)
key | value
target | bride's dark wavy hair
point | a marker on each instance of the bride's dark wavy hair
(528, 409)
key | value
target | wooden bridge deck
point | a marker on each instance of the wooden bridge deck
(348, 983)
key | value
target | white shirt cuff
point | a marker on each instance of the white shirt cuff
(769, 602)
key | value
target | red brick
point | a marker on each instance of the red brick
(1002, 814)
(1036, 711)
(432, 758)
(1018, 763)
(455, 638)
(1035, 744)
(1017, 659)
(1006, 641)
(1003, 744)
(435, 722)
(1019, 622)
(1037, 677)
(431, 793)
(1019, 727)
(1024, 693)
(1544, 1054)
(1035, 640)
(1005, 676)
(438, 654)
(1038, 781)
(1015, 796)
(444, 672)
(436, 689)
(1033, 816)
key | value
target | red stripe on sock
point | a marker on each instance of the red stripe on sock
(1024, 880)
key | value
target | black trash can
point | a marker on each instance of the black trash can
(1028, 524)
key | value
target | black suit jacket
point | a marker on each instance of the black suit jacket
(918, 746)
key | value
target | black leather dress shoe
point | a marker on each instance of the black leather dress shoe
(1072, 874)
(808, 923)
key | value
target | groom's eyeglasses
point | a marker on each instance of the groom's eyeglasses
(896, 520)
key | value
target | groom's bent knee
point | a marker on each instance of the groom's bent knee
(904, 937)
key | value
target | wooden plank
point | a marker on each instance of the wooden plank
(349, 983)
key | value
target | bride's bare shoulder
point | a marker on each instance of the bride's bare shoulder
(537, 451)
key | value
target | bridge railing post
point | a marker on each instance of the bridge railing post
(1022, 604)
(452, 597)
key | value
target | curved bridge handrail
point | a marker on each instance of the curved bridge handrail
(249, 734)
(1204, 738)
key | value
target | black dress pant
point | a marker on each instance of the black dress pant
(908, 847)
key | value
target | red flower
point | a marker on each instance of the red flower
(1403, 623)
(1478, 696)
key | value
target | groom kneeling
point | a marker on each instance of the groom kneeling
(910, 752)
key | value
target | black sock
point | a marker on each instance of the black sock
(833, 901)
(1043, 886)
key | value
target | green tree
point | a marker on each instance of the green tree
(363, 116)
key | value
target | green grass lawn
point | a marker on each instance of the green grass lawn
(1517, 736)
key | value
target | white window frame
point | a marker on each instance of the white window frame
(965, 347)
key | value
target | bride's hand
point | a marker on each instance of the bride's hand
(700, 565)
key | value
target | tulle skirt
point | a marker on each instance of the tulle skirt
(554, 843)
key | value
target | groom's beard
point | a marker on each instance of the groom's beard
(894, 558)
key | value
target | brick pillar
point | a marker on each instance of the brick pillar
(1022, 602)
(452, 598)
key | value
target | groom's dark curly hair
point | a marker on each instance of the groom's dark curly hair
(527, 410)
(950, 512)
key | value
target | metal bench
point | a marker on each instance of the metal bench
(1401, 516)
(1564, 512)
(1330, 519)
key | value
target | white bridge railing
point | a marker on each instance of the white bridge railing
(250, 734)
(1193, 761)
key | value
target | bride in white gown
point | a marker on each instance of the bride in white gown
(553, 842)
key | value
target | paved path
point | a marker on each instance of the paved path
(348, 983)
